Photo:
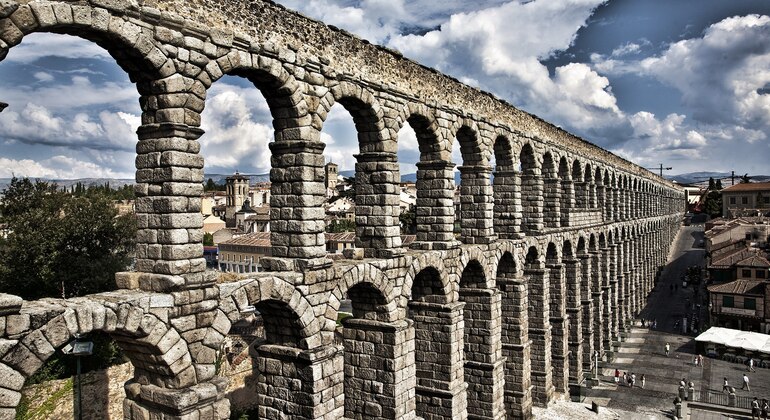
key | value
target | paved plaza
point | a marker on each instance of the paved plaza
(643, 351)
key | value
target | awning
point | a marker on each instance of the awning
(746, 340)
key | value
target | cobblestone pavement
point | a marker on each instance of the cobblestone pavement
(643, 352)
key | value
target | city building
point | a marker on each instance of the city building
(330, 179)
(746, 199)
(741, 304)
(237, 189)
(242, 254)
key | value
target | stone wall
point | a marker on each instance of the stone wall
(418, 312)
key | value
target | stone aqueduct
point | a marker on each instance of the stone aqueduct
(555, 255)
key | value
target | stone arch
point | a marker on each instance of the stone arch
(552, 254)
(471, 147)
(423, 122)
(473, 276)
(367, 115)
(282, 92)
(372, 279)
(433, 261)
(159, 354)
(469, 255)
(132, 46)
(294, 322)
(506, 265)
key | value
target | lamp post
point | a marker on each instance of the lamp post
(78, 349)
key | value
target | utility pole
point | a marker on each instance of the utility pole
(661, 169)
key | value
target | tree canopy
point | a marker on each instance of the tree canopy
(58, 243)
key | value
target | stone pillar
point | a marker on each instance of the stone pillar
(532, 203)
(297, 215)
(379, 369)
(378, 229)
(596, 296)
(516, 347)
(552, 200)
(169, 176)
(559, 327)
(484, 361)
(435, 206)
(507, 210)
(601, 198)
(606, 301)
(617, 205)
(567, 200)
(574, 311)
(614, 292)
(540, 334)
(627, 286)
(439, 358)
(203, 400)
(591, 201)
(581, 194)
(586, 301)
(476, 205)
(300, 384)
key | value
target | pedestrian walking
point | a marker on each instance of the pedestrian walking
(700, 360)
(725, 386)
(625, 379)
(633, 379)
(765, 409)
(642, 378)
(643, 323)
(617, 376)
(654, 324)
(668, 348)
(751, 365)
(755, 411)
(746, 383)
(695, 360)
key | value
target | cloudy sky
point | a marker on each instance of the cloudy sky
(685, 83)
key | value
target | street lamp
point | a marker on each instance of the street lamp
(79, 348)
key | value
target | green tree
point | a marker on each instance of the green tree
(208, 239)
(745, 179)
(718, 185)
(713, 204)
(59, 244)
(712, 185)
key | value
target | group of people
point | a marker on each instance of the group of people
(628, 380)
(726, 386)
(759, 409)
(649, 323)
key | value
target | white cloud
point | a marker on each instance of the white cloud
(37, 45)
(237, 129)
(58, 167)
(500, 48)
(43, 76)
(36, 124)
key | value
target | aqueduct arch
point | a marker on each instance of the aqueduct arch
(572, 234)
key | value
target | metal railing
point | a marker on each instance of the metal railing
(721, 398)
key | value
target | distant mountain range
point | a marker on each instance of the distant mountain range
(699, 177)
(688, 178)
(114, 182)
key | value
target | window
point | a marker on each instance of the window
(744, 200)
(749, 303)
(727, 301)
(732, 200)
(746, 273)
(760, 273)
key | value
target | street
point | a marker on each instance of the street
(643, 351)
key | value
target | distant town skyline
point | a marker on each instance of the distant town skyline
(686, 84)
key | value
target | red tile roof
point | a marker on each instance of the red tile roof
(751, 186)
(740, 287)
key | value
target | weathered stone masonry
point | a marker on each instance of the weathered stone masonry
(553, 258)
